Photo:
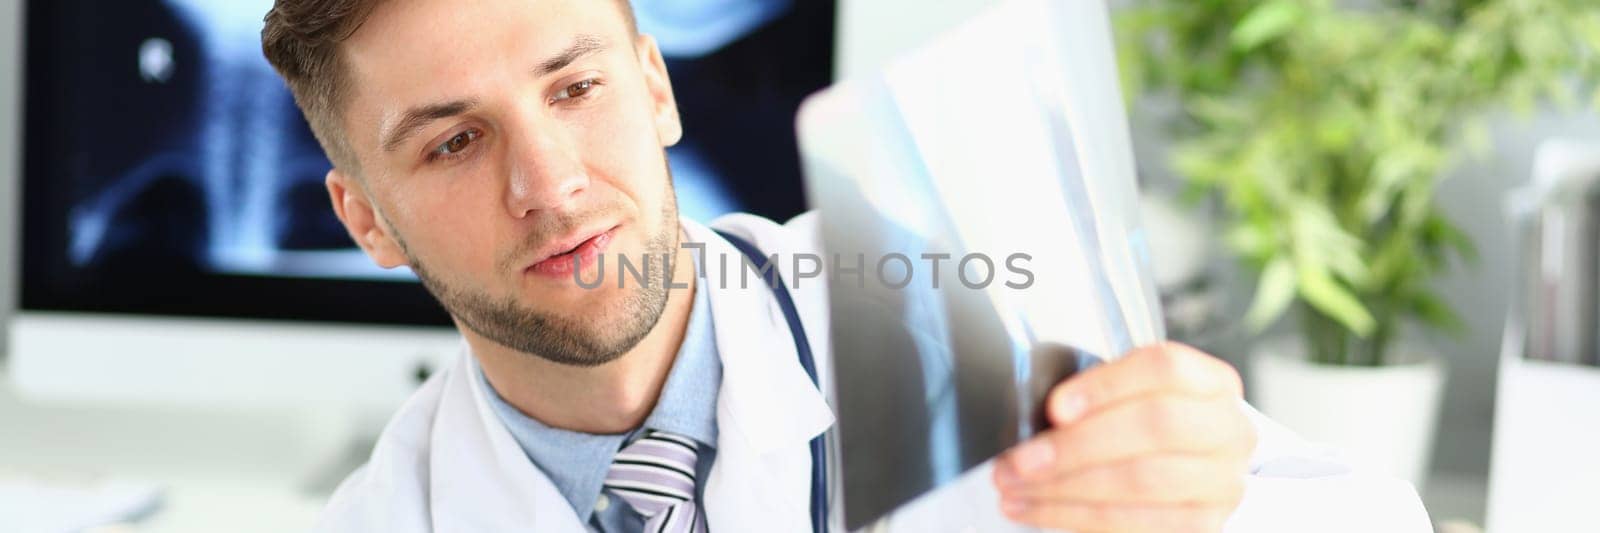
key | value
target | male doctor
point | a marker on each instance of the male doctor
(491, 145)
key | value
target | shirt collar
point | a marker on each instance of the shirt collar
(688, 402)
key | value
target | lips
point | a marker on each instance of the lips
(582, 248)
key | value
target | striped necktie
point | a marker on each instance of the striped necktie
(655, 475)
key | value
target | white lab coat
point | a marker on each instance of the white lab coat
(446, 463)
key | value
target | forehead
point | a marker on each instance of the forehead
(418, 52)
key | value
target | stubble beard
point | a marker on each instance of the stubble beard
(583, 341)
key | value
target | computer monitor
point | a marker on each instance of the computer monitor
(177, 241)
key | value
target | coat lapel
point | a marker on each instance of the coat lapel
(479, 478)
(767, 408)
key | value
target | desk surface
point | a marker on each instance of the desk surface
(260, 471)
(219, 471)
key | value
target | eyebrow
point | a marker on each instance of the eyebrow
(417, 117)
(581, 46)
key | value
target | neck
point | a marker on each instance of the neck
(611, 398)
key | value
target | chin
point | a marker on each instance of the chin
(570, 300)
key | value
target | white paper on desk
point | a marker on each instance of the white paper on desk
(44, 507)
(1006, 135)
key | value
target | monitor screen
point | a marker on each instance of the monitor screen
(168, 171)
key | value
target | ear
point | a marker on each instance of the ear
(668, 127)
(355, 210)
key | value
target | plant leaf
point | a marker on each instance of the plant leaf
(1274, 292)
(1251, 240)
(1322, 292)
(1433, 311)
(1454, 237)
(1264, 23)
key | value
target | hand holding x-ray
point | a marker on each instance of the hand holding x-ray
(1026, 169)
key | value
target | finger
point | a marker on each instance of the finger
(1093, 518)
(1163, 479)
(1161, 368)
(1160, 425)
(1166, 424)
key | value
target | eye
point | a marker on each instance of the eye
(455, 145)
(576, 90)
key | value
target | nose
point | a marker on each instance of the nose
(545, 174)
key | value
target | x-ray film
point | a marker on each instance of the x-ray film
(980, 194)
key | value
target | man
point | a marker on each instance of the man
(495, 145)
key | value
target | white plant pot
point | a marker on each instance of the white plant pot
(1381, 418)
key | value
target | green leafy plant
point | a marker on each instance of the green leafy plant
(1324, 127)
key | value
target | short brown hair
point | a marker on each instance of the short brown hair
(301, 40)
